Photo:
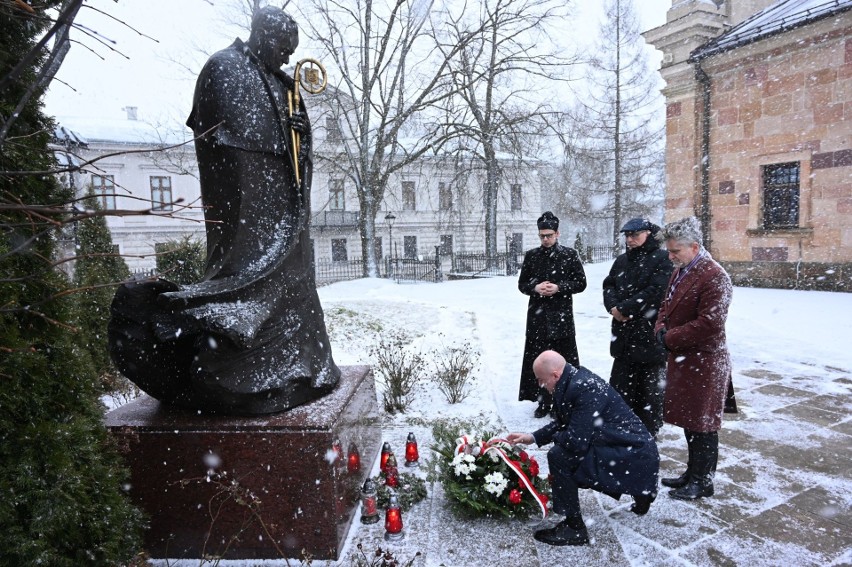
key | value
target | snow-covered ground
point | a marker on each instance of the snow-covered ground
(791, 357)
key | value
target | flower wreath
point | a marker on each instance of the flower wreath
(486, 478)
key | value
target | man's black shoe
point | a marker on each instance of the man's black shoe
(642, 503)
(563, 534)
(540, 412)
(695, 488)
(676, 481)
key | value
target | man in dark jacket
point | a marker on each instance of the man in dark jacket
(632, 293)
(551, 274)
(598, 443)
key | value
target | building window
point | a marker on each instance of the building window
(515, 197)
(336, 198)
(103, 187)
(338, 250)
(445, 197)
(446, 244)
(781, 195)
(410, 247)
(332, 129)
(408, 199)
(161, 193)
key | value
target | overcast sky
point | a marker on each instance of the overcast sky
(157, 73)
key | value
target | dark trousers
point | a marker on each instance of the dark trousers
(703, 450)
(566, 498)
(640, 386)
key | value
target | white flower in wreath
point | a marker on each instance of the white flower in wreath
(463, 465)
(495, 483)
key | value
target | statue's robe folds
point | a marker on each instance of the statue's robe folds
(250, 337)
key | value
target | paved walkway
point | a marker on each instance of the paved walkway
(783, 497)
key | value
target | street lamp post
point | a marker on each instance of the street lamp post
(389, 219)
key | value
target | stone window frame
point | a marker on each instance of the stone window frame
(336, 195)
(339, 253)
(516, 202)
(409, 196)
(409, 247)
(103, 188)
(445, 196)
(756, 203)
(161, 192)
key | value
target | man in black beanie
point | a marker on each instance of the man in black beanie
(551, 274)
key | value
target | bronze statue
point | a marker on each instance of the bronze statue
(250, 337)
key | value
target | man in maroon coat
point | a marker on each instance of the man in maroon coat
(691, 327)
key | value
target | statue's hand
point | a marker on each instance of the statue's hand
(299, 123)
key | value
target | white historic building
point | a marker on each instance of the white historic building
(432, 204)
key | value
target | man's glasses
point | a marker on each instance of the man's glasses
(633, 234)
(546, 236)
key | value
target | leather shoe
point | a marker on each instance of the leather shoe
(676, 481)
(695, 488)
(642, 503)
(562, 534)
(540, 412)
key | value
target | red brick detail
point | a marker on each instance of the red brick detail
(829, 114)
(847, 58)
(755, 75)
(822, 161)
(743, 199)
(776, 254)
(673, 109)
(726, 187)
(727, 116)
(840, 158)
(844, 206)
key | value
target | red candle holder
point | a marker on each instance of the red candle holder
(391, 472)
(393, 520)
(353, 461)
(412, 456)
(386, 452)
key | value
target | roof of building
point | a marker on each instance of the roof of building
(116, 130)
(779, 17)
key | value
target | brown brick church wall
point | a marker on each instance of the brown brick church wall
(787, 98)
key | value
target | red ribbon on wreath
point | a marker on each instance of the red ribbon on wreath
(465, 445)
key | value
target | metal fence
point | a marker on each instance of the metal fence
(423, 269)
(599, 253)
(480, 265)
(328, 272)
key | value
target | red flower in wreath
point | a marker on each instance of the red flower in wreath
(533, 467)
(515, 496)
(524, 456)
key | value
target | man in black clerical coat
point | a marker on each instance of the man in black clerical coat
(550, 275)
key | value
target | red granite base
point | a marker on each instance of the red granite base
(251, 488)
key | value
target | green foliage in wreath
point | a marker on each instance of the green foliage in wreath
(411, 490)
(481, 484)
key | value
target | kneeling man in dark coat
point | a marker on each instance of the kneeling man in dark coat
(598, 443)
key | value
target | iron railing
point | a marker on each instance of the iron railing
(480, 265)
(328, 272)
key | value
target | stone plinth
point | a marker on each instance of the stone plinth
(251, 487)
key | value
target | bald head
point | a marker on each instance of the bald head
(548, 368)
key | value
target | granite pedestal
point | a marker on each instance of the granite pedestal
(251, 487)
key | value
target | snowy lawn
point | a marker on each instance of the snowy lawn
(783, 490)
